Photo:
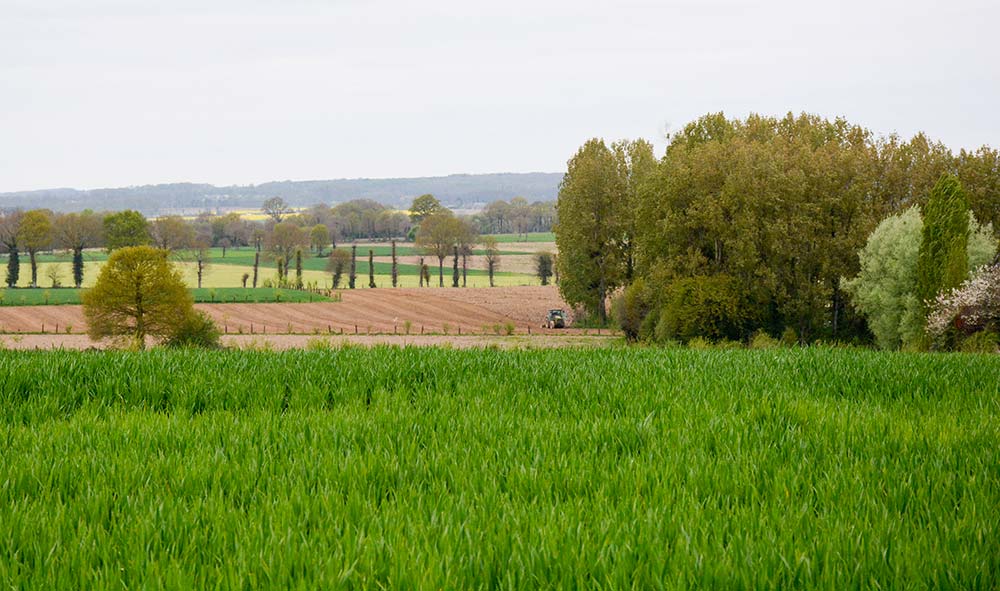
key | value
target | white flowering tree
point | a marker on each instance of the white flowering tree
(972, 307)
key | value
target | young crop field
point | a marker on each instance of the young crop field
(229, 271)
(529, 237)
(437, 468)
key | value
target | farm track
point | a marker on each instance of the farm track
(428, 310)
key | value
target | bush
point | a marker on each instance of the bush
(197, 330)
(789, 337)
(630, 308)
(704, 306)
(981, 342)
(971, 308)
(762, 340)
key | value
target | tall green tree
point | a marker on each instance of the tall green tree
(125, 228)
(336, 264)
(543, 266)
(284, 240)
(76, 232)
(319, 237)
(138, 293)
(35, 234)
(423, 206)
(172, 232)
(491, 256)
(10, 226)
(353, 275)
(588, 231)
(438, 236)
(943, 260)
(635, 166)
(395, 266)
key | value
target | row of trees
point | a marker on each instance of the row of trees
(516, 217)
(283, 237)
(749, 225)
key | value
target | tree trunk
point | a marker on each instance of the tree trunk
(489, 269)
(465, 267)
(454, 269)
(440, 271)
(602, 312)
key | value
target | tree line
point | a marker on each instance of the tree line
(284, 237)
(758, 225)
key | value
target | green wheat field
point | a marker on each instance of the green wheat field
(465, 469)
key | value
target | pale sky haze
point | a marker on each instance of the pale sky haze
(105, 93)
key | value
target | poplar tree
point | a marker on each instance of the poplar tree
(352, 277)
(395, 266)
(588, 228)
(943, 260)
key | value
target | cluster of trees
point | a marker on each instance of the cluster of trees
(755, 225)
(516, 217)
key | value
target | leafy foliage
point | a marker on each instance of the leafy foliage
(138, 293)
(943, 260)
(197, 330)
(125, 228)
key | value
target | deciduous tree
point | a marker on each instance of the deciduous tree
(76, 232)
(125, 228)
(424, 206)
(35, 234)
(138, 293)
(491, 255)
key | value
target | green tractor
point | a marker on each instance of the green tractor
(555, 319)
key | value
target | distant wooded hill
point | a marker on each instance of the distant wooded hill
(456, 191)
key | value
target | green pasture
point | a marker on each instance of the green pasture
(226, 273)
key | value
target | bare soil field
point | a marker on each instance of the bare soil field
(429, 311)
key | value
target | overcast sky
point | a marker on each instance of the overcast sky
(103, 93)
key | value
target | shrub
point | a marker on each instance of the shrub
(789, 337)
(630, 308)
(508, 328)
(971, 308)
(197, 330)
(705, 306)
(981, 342)
(762, 340)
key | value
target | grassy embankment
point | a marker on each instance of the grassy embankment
(434, 468)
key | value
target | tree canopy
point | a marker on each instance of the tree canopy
(138, 293)
(125, 228)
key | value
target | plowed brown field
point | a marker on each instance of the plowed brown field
(431, 310)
